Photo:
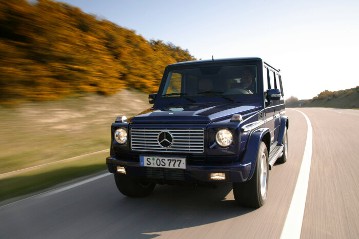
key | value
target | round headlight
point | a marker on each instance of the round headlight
(120, 136)
(224, 137)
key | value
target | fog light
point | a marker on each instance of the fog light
(121, 170)
(218, 176)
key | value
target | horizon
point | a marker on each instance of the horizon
(313, 43)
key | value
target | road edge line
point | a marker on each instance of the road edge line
(55, 190)
(293, 224)
(71, 186)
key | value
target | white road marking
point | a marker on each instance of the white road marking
(65, 188)
(293, 223)
(59, 190)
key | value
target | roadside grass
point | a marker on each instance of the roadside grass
(48, 176)
(46, 132)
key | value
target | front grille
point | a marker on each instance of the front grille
(183, 140)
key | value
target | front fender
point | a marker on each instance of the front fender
(254, 141)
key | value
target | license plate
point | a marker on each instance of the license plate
(162, 162)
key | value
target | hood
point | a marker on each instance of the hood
(194, 114)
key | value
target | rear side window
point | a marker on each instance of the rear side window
(271, 79)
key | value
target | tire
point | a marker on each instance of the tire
(253, 193)
(283, 158)
(133, 187)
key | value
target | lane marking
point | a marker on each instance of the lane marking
(293, 223)
(4, 175)
(71, 186)
(58, 190)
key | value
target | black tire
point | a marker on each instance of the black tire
(283, 158)
(253, 193)
(133, 187)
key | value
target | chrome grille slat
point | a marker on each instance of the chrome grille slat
(184, 140)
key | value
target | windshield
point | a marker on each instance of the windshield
(211, 81)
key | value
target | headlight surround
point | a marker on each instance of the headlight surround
(120, 135)
(224, 137)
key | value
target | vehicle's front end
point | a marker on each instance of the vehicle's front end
(173, 146)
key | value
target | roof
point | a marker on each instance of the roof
(223, 60)
(217, 61)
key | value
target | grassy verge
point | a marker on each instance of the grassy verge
(47, 133)
(45, 177)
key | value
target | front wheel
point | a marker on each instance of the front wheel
(132, 187)
(253, 193)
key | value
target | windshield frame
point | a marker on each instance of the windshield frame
(180, 98)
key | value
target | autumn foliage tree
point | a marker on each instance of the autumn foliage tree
(49, 50)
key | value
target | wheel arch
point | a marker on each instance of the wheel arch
(255, 139)
(284, 125)
(266, 140)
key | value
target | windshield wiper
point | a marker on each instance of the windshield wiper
(210, 92)
(228, 98)
(181, 94)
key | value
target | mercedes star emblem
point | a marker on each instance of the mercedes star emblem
(165, 139)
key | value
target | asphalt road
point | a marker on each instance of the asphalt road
(95, 209)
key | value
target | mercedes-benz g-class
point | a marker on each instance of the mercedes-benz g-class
(211, 121)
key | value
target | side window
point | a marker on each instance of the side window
(273, 80)
(280, 84)
(265, 79)
(174, 84)
(269, 79)
(265, 83)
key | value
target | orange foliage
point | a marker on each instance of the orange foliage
(49, 50)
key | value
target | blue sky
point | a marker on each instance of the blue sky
(315, 43)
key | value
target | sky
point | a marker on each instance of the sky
(315, 43)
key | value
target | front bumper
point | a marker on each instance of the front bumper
(235, 172)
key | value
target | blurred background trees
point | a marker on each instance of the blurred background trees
(50, 50)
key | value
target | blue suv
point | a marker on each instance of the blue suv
(211, 121)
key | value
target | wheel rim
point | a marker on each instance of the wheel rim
(263, 176)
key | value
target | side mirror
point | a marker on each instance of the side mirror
(274, 94)
(151, 98)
